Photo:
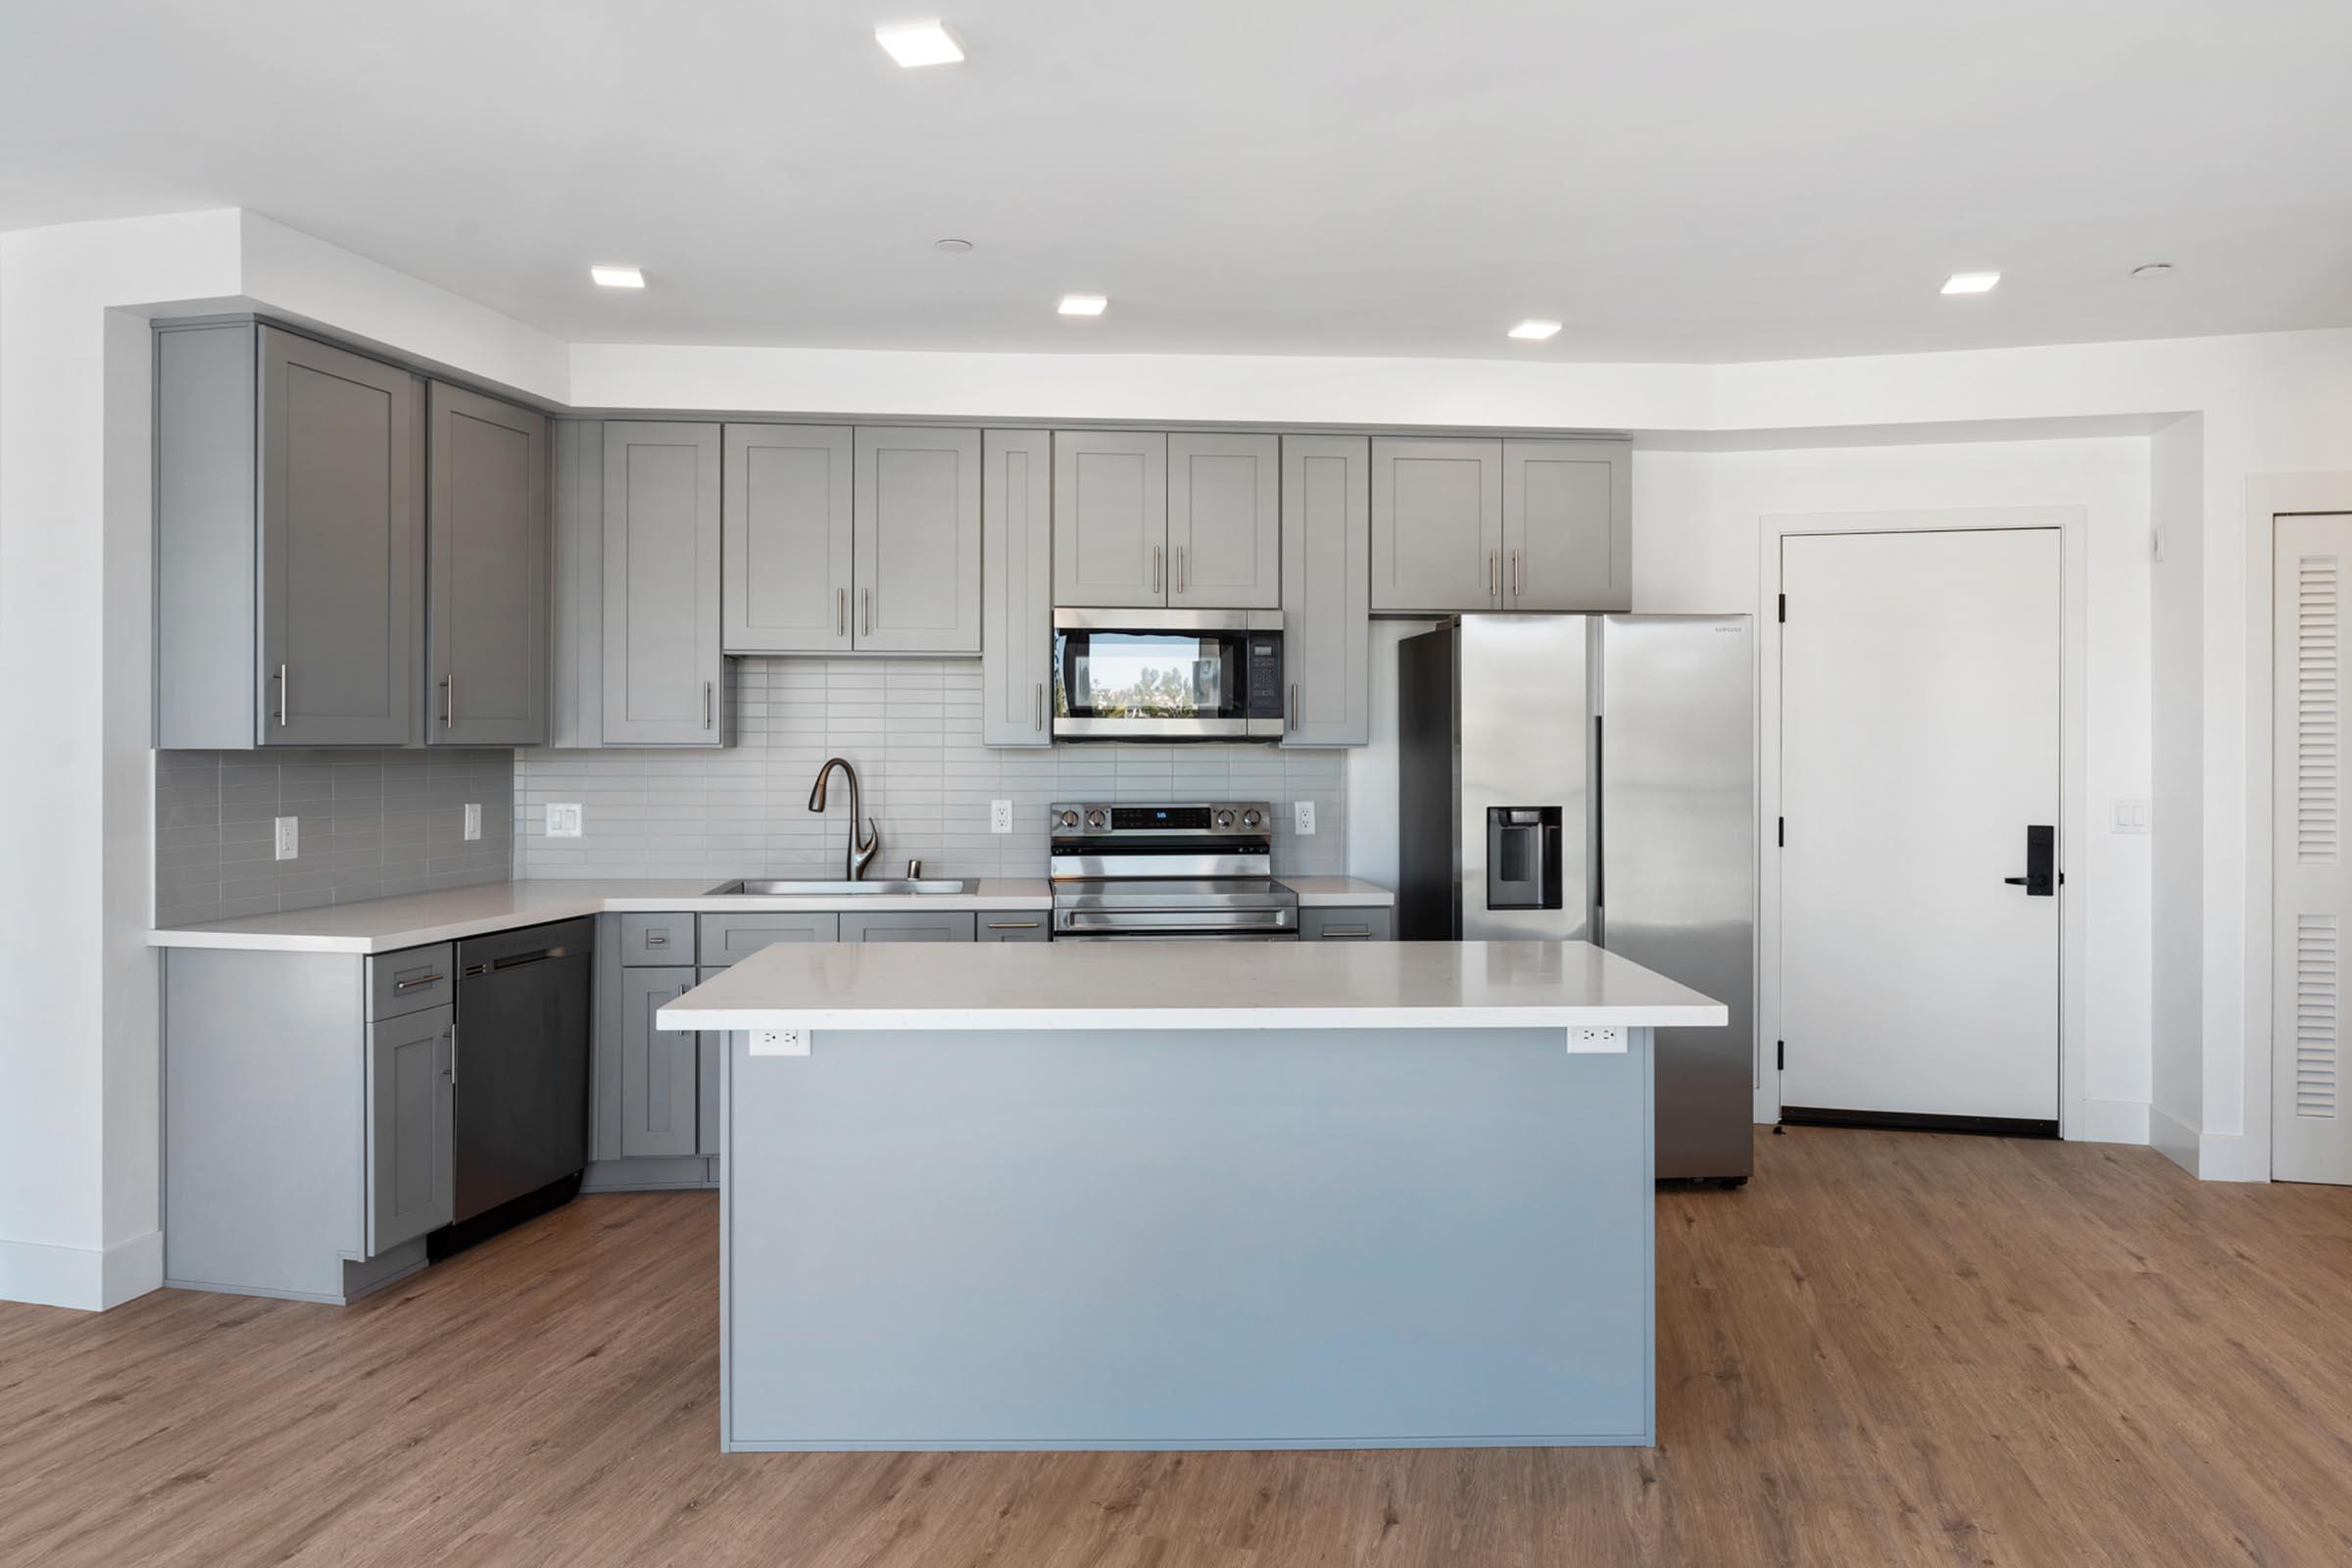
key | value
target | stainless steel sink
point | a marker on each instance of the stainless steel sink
(837, 889)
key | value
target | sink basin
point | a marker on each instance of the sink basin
(838, 889)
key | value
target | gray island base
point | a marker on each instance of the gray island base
(1410, 1210)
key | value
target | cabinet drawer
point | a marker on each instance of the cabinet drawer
(732, 937)
(907, 925)
(1371, 924)
(412, 980)
(1016, 925)
(656, 940)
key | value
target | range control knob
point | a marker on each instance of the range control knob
(1096, 818)
(1069, 820)
(1224, 820)
(1251, 818)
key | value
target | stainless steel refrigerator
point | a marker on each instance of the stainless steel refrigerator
(1593, 778)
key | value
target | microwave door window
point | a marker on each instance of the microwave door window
(1146, 676)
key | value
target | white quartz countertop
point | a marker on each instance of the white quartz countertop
(1152, 985)
(411, 920)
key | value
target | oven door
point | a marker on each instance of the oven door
(1161, 675)
(1174, 925)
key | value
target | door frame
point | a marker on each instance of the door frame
(2269, 496)
(2072, 527)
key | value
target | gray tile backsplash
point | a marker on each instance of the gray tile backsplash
(374, 824)
(912, 728)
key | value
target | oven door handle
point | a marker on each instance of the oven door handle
(1173, 921)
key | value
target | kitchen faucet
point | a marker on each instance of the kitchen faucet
(860, 852)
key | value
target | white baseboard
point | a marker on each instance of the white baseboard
(2231, 1157)
(2112, 1121)
(85, 1278)
(2173, 1139)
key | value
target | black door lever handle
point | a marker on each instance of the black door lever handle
(2014, 881)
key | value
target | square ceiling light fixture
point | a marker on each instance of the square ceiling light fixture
(1536, 331)
(1971, 282)
(919, 43)
(617, 276)
(1084, 304)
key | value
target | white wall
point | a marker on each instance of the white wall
(2176, 1088)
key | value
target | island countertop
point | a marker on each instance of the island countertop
(1152, 985)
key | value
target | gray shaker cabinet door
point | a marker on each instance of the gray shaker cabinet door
(907, 925)
(342, 546)
(411, 1127)
(486, 681)
(917, 541)
(1437, 525)
(660, 1068)
(1224, 521)
(1016, 588)
(664, 681)
(1111, 518)
(786, 558)
(1326, 590)
(1567, 525)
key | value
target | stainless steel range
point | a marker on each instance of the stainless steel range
(1186, 872)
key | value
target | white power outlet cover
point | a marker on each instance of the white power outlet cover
(289, 837)
(779, 1041)
(473, 819)
(563, 819)
(1302, 813)
(1596, 1037)
(999, 817)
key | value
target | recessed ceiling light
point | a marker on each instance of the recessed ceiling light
(1971, 282)
(617, 276)
(2152, 270)
(1084, 304)
(919, 43)
(954, 247)
(1535, 331)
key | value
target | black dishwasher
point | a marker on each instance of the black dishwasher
(522, 1079)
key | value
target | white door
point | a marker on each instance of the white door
(1919, 743)
(2311, 1140)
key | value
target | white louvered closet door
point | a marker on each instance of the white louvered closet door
(2311, 1137)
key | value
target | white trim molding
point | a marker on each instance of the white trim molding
(81, 1277)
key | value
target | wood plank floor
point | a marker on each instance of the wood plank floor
(1890, 1348)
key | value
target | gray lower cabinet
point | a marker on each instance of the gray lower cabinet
(1326, 590)
(289, 583)
(1224, 521)
(1014, 925)
(1111, 518)
(1016, 587)
(916, 540)
(1567, 525)
(785, 560)
(664, 680)
(732, 937)
(1437, 525)
(1370, 923)
(660, 1068)
(412, 1126)
(486, 556)
(907, 925)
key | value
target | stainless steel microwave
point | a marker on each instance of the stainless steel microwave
(1167, 674)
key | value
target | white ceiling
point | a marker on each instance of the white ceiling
(1673, 182)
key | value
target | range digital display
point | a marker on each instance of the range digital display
(1126, 817)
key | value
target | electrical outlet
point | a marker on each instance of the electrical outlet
(563, 819)
(1303, 818)
(779, 1042)
(1596, 1037)
(2129, 816)
(473, 819)
(999, 817)
(289, 837)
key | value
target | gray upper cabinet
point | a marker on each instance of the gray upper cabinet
(1567, 525)
(1111, 518)
(785, 583)
(1326, 590)
(411, 1127)
(661, 1069)
(664, 681)
(1437, 525)
(1016, 587)
(486, 551)
(1224, 521)
(916, 540)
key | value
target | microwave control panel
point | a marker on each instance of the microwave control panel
(1265, 676)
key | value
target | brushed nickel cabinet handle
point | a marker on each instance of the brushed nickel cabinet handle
(705, 704)
(1515, 573)
(1156, 568)
(865, 612)
(410, 984)
(284, 702)
(1290, 713)
(1039, 706)
(1012, 925)
(1180, 569)
(1494, 575)
(453, 1054)
(449, 702)
(841, 612)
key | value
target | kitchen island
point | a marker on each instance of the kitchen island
(1136, 1194)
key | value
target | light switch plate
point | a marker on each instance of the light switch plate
(473, 819)
(563, 819)
(2129, 816)
(779, 1041)
(999, 817)
(1302, 818)
(289, 837)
